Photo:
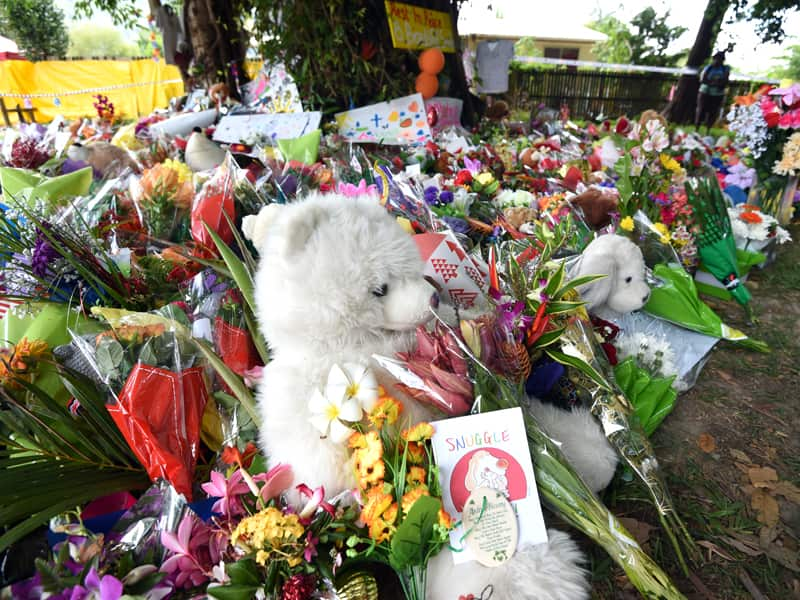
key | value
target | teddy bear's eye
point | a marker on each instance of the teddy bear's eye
(628, 279)
(381, 291)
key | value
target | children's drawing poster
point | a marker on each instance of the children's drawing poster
(398, 121)
(415, 28)
(488, 450)
(443, 113)
(273, 91)
(265, 128)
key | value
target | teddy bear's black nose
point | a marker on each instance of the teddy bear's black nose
(435, 300)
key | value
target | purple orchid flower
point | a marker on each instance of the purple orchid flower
(473, 166)
(512, 321)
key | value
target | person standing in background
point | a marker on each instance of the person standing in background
(713, 81)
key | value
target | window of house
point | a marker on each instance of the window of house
(558, 52)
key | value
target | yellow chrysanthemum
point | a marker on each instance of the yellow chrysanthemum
(411, 497)
(271, 533)
(663, 230)
(669, 163)
(416, 453)
(485, 178)
(378, 501)
(445, 520)
(418, 433)
(387, 410)
(381, 530)
(182, 169)
(416, 476)
(626, 224)
(369, 475)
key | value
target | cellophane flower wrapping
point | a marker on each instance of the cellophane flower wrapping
(157, 390)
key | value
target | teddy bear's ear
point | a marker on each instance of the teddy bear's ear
(255, 227)
(298, 227)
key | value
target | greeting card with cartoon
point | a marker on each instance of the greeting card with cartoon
(484, 452)
(398, 121)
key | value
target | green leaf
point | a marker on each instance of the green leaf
(239, 272)
(577, 282)
(109, 355)
(413, 536)
(232, 592)
(554, 308)
(244, 572)
(555, 281)
(548, 338)
(581, 365)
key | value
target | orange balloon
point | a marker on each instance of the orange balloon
(427, 85)
(431, 61)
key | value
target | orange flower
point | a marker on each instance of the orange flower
(232, 455)
(416, 453)
(416, 476)
(17, 361)
(378, 501)
(370, 474)
(418, 433)
(387, 410)
(411, 497)
(750, 217)
(381, 530)
(445, 520)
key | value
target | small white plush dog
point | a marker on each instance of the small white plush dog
(624, 289)
(338, 282)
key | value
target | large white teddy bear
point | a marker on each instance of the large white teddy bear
(338, 282)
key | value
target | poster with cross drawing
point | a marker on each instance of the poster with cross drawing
(396, 122)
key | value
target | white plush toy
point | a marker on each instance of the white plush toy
(338, 282)
(624, 289)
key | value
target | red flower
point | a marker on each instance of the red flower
(299, 587)
(623, 126)
(463, 177)
(772, 119)
(232, 455)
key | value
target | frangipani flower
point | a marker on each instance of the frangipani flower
(276, 480)
(353, 381)
(327, 415)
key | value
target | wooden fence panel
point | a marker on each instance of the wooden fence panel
(592, 93)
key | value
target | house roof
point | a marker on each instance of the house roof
(521, 24)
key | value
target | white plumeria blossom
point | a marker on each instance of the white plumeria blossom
(328, 415)
(353, 381)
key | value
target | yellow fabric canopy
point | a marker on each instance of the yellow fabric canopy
(136, 87)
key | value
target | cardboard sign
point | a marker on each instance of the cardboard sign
(415, 28)
(265, 128)
(398, 121)
(443, 113)
(489, 450)
(461, 276)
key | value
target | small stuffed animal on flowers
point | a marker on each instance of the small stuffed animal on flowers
(339, 281)
(624, 288)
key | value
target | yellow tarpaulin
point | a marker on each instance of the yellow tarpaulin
(136, 87)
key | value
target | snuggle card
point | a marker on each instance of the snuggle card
(398, 121)
(484, 464)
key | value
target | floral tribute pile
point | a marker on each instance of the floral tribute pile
(127, 418)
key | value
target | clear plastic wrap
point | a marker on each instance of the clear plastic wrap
(156, 390)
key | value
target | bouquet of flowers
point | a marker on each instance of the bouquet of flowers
(157, 390)
(164, 197)
(751, 226)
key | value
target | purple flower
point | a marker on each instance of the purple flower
(70, 166)
(107, 588)
(431, 194)
(473, 166)
(43, 255)
(30, 589)
(456, 224)
(228, 492)
(512, 321)
(446, 197)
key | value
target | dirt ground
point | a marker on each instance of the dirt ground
(731, 453)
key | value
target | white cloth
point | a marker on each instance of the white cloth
(493, 57)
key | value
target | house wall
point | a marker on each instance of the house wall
(585, 49)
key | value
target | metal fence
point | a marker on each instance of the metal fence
(598, 92)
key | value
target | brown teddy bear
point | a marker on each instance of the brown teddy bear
(596, 205)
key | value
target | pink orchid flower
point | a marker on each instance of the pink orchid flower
(184, 564)
(252, 377)
(311, 547)
(316, 499)
(228, 492)
(790, 95)
(276, 481)
(348, 189)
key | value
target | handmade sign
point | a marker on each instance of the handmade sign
(461, 276)
(490, 452)
(265, 128)
(273, 91)
(399, 121)
(414, 28)
(443, 113)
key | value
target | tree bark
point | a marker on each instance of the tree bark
(682, 107)
(217, 43)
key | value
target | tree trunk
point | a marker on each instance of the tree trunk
(682, 107)
(217, 43)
